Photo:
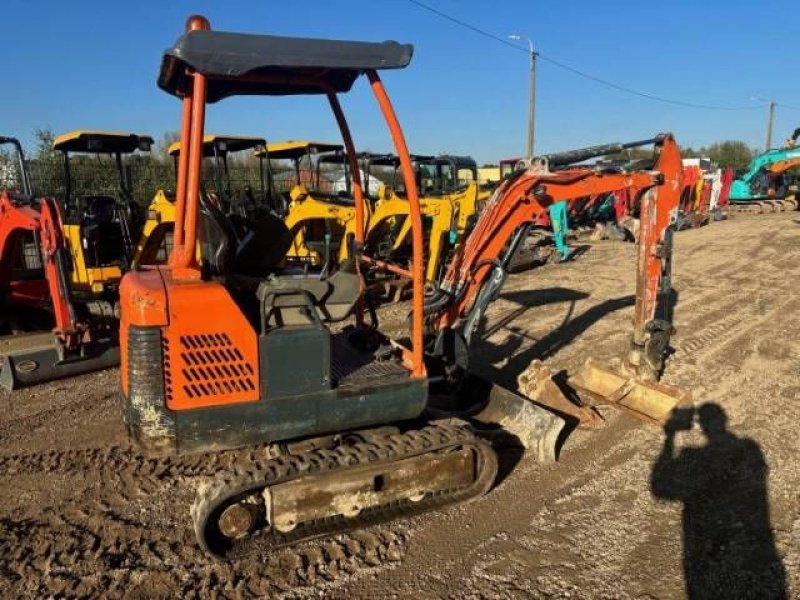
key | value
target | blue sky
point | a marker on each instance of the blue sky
(92, 65)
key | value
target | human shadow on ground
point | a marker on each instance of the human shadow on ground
(728, 546)
(543, 348)
(517, 360)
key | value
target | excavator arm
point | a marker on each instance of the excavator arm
(782, 166)
(56, 267)
(523, 198)
(479, 268)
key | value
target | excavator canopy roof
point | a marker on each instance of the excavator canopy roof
(391, 160)
(295, 149)
(247, 64)
(380, 160)
(225, 143)
(459, 162)
(102, 142)
(334, 158)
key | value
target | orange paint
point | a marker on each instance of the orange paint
(417, 244)
(525, 199)
(143, 299)
(210, 348)
(183, 170)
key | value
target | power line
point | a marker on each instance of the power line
(578, 72)
(468, 26)
(790, 107)
(643, 94)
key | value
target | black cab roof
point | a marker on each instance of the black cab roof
(102, 142)
(223, 143)
(242, 64)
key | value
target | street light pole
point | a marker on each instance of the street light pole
(532, 103)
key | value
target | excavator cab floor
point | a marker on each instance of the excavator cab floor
(352, 365)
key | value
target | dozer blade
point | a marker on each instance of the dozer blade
(536, 428)
(648, 400)
(537, 384)
(43, 363)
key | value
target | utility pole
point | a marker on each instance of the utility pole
(532, 102)
(532, 113)
(769, 125)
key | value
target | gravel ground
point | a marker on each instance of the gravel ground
(629, 511)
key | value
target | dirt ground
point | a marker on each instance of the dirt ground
(83, 513)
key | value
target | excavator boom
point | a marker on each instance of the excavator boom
(479, 267)
(524, 197)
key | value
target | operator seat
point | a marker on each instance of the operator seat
(102, 231)
(256, 251)
(253, 264)
(292, 300)
(217, 239)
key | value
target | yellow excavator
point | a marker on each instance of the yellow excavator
(389, 225)
(101, 219)
(450, 201)
(320, 212)
(457, 177)
(242, 202)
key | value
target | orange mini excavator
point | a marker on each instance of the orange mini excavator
(35, 292)
(340, 422)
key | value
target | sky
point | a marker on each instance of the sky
(92, 65)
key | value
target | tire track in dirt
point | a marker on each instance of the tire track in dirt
(108, 520)
(442, 572)
(70, 556)
(128, 531)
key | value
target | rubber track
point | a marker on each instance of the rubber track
(392, 448)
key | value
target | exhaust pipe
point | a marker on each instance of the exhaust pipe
(45, 363)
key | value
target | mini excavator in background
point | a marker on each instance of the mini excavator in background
(340, 424)
(763, 187)
(101, 228)
(238, 202)
(24, 298)
(316, 215)
(450, 200)
(38, 272)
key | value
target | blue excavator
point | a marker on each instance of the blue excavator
(764, 187)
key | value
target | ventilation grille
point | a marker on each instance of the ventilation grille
(167, 368)
(164, 249)
(31, 256)
(212, 366)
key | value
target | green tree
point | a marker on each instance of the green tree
(730, 153)
(162, 145)
(690, 152)
(44, 144)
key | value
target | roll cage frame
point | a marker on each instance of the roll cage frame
(116, 145)
(191, 82)
(217, 147)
